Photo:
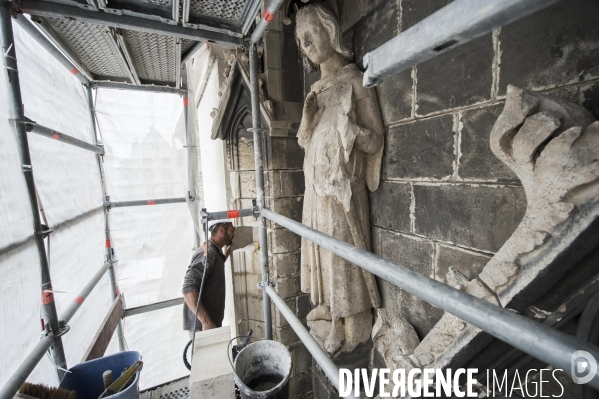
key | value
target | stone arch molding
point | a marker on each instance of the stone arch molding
(553, 147)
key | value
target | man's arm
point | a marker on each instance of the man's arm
(191, 298)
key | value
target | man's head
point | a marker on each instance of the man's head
(222, 233)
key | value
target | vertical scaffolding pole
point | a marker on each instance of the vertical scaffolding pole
(192, 158)
(257, 130)
(108, 251)
(16, 102)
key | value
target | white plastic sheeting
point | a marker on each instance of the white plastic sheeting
(154, 247)
(158, 336)
(145, 159)
(144, 137)
(68, 183)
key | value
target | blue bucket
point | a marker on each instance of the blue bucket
(86, 378)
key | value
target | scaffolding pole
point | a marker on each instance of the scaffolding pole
(108, 252)
(538, 340)
(455, 24)
(192, 158)
(14, 94)
(232, 214)
(56, 10)
(162, 201)
(152, 307)
(26, 368)
(70, 311)
(39, 37)
(320, 356)
(257, 131)
(32, 127)
(15, 381)
(127, 86)
(268, 16)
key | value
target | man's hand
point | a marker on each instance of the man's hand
(204, 247)
(207, 323)
(191, 299)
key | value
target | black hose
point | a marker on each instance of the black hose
(195, 321)
(185, 355)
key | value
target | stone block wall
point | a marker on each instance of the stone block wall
(445, 199)
(284, 189)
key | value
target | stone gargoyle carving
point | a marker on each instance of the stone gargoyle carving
(553, 147)
(342, 134)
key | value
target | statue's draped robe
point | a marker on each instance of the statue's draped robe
(337, 174)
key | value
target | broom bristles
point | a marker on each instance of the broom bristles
(42, 391)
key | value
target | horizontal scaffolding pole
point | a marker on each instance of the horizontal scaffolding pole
(546, 344)
(32, 127)
(127, 86)
(152, 307)
(321, 357)
(39, 37)
(9, 390)
(232, 214)
(69, 222)
(122, 204)
(268, 16)
(78, 301)
(56, 10)
(455, 24)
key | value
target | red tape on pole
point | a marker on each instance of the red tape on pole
(74, 71)
(185, 101)
(268, 16)
(151, 202)
(107, 243)
(47, 297)
(55, 136)
(233, 214)
(79, 300)
(118, 292)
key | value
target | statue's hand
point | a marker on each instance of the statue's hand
(310, 106)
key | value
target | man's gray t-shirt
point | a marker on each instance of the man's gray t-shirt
(213, 293)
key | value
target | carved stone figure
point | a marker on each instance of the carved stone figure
(553, 147)
(342, 134)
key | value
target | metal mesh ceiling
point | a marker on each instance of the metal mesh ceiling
(154, 55)
(228, 10)
(92, 44)
(153, 9)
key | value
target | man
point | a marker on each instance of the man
(212, 305)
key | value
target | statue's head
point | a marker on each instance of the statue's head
(318, 36)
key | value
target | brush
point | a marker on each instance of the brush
(42, 391)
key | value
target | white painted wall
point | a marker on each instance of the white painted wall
(212, 152)
(213, 157)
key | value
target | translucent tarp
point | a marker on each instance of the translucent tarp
(68, 183)
(146, 158)
(145, 153)
(67, 177)
(160, 339)
(144, 135)
(154, 245)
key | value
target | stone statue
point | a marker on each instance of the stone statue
(342, 134)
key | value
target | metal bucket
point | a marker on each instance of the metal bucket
(262, 370)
